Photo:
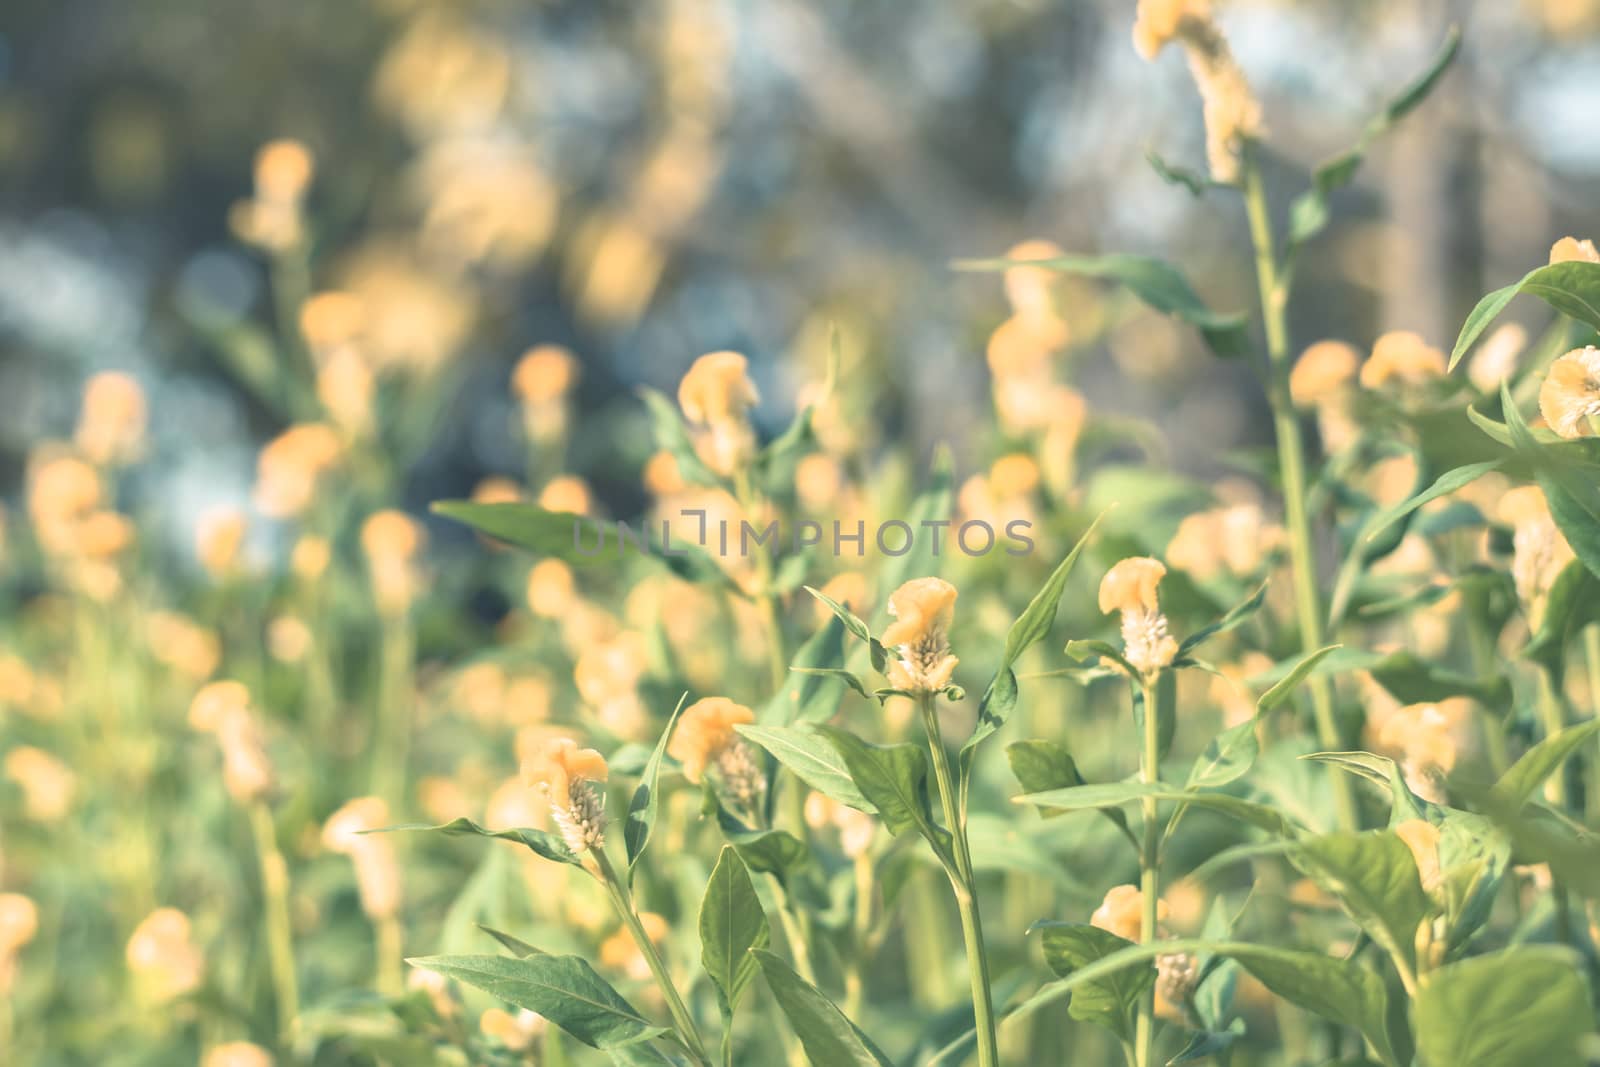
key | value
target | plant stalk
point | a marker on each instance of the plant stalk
(275, 921)
(1291, 460)
(1149, 870)
(965, 887)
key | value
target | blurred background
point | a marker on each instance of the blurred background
(646, 181)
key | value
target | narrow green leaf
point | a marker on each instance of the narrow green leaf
(1236, 616)
(731, 924)
(1173, 174)
(1041, 765)
(1284, 687)
(808, 697)
(546, 844)
(827, 1036)
(1518, 784)
(1572, 288)
(1447, 483)
(1115, 794)
(564, 989)
(646, 799)
(1228, 757)
(1158, 284)
(513, 944)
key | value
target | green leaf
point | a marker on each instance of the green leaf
(1041, 766)
(1412, 680)
(1228, 757)
(1092, 651)
(1525, 1005)
(774, 466)
(1111, 1001)
(646, 799)
(1309, 212)
(840, 673)
(1173, 174)
(775, 852)
(1572, 288)
(1444, 485)
(894, 778)
(564, 989)
(1284, 687)
(1571, 488)
(1115, 794)
(546, 844)
(568, 537)
(1029, 629)
(1153, 281)
(814, 762)
(827, 1036)
(1572, 603)
(731, 924)
(1374, 877)
(805, 696)
(1239, 614)
(513, 944)
(1517, 785)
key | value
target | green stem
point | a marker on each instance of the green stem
(391, 954)
(392, 746)
(965, 887)
(622, 900)
(1553, 719)
(275, 920)
(1149, 869)
(1291, 459)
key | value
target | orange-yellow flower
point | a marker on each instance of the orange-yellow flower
(290, 467)
(377, 869)
(544, 374)
(1323, 371)
(1570, 249)
(1122, 912)
(567, 775)
(391, 540)
(705, 737)
(111, 423)
(19, 922)
(162, 956)
(1402, 356)
(621, 953)
(1129, 587)
(1569, 399)
(1422, 838)
(923, 609)
(237, 1054)
(47, 784)
(1539, 550)
(716, 395)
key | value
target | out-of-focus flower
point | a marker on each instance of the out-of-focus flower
(1324, 373)
(856, 829)
(705, 737)
(1496, 357)
(377, 870)
(849, 588)
(516, 1032)
(1232, 113)
(1569, 399)
(1122, 912)
(620, 952)
(1429, 739)
(416, 320)
(607, 675)
(442, 77)
(183, 644)
(19, 923)
(272, 220)
(661, 475)
(223, 708)
(1228, 690)
(1570, 249)
(818, 480)
(1237, 539)
(568, 775)
(1402, 357)
(291, 466)
(331, 321)
(551, 588)
(310, 557)
(237, 1054)
(47, 784)
(111, 423)
(568, 493)
(1130, 588)
(219, 540)
(63, 493)
(923, 609)
(1422, 838)
(543, 380)
(485, 201)
(392, 541)
(1539, 550)
(288, 638)
(162, 956)
(716, 396)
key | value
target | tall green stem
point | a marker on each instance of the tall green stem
(1149, 869)
(275, 920)
(622, 901)
(1291, 461)
(965, 887)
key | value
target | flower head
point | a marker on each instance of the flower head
(1122, 912)
(161, 954)
(1130, 588)
(1422, 838)
(923, 609)
(347, 831)
(1403, 357)
(19, 922)
(567, 774)
(716, 395)
(1232, 113)
(1159, 21)
(1539, 550)
(112, 422)
(1323, 371)
(704, 732)
(237, 1054)
(1570, 396)
(1570, 249)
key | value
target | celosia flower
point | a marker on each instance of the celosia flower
(1422, 838)
(568, 775)
(1426, 738)
(1402, 356)
(330, 321)
(1496, 357)
(219, 537)
(1539, 550)
(272, 219)
(223, 708)
(544, 374)
(716, 395)
(856, 829)
(1237, 539)
(1130, 588)
(237, 1054)
(111, 423)
(310, 557)
(162, 956)
(47, 784)
(1122, 912)
(704, 737)
(923, 609)
(377, 869)
(620, 952)
(19, 922)
(391, 540)
(290, 466)
(1570, 249)
(1569, 399)
(516, 1032)
(1232, 113)
(1323, 373)
(567, 493)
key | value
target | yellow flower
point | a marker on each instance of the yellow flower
(392, 539)
(1496, 357)
(1570, 396)
(1539, 550)
(162, 956)
(1428, 738)
(1122, 912)
(219, 539)
(1570, 249)
(705, 737)
(290, 466)
(1130, 588)
(1158, 23)
(1402, 356)
(516, 1032)
(567, 493)
(330, 321)
(544, 374)
(620, 952)
(47, 784)
(237, 1054)
(1323, 372)
(848, 588)
(923, 609)
(716, 395)
(111, 424)
(1422, 838)
(283, 170)
(19, 922)
(856, 828)
(377, 869)
(310, 557)
(566, 773)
